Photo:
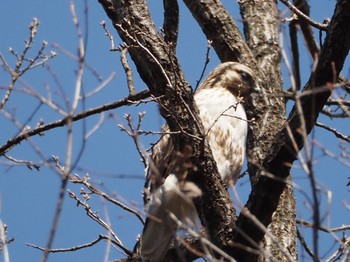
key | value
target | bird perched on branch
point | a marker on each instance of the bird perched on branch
(220, 102)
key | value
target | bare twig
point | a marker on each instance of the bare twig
(100, 86)
(108, 34)
(62, 122)
(19, 70)
(28, 163)
(89, 67)
(128, 72)
(75, 248)
(137, 43)
(207, 60)
(295, 53)
(342, 252)
(304, 17)
(334, 131)
(322, 228)
(327, 152)
(4, 242)
(95, 127)
(69, 158)
(96, 218)
(304, 244)
(77, 180)
(134, 134)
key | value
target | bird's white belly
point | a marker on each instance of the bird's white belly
(226, 128)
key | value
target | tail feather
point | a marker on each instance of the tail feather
(160, 228)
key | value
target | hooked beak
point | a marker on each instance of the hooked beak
(256, 89)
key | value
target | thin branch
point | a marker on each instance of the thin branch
(28, 163)
(77, 180)
(343, 251)
(334, 131)
(18, 71)
(307, 30)
(69, 150)
(128, 72)
(62, 122)
(338, 102)
(108, 34)
(75, 248)
(295, 53)
(100, 86)
(100, 122)
(207, 60)
(294, 9)
(304, 244)
(4, 242)
(76, 58)
(322, 228)
(96, 218)
(134, 134)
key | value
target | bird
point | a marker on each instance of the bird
(220, 100)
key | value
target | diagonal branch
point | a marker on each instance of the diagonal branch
(221, 29)
(263, 201)
(171, 22)
(304, 16)
(62, 122)
(160, 70)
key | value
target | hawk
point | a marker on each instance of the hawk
(220, 102)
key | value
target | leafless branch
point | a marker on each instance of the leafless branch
(96, 218)
(171, 22)
(4, 242)
(342, 253)
(108, 34)
(304, 17)
(20, 68)
(29, 164)
(100, 86)
(60, 123)
(134, 133)
(304, 244)
(295, 53)
(334, 131)
(207, 60)
(77, 180)
(128, 72)
(322, 228)
(75, 248)
(65, 172)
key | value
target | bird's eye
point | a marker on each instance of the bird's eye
(245, 76)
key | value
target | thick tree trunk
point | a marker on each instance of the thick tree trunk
(271, 152)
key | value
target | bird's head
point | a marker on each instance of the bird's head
(239, 79)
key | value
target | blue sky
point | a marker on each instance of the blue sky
(28, 198)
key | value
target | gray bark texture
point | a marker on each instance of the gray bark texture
(271, 146)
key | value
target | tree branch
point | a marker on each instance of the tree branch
(160, 70)
(264, 199)
(221, 29)
(62, 122)
(304, 17)
(171, 22)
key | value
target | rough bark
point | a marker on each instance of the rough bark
(265, 197)
(261, 23)
(269, 148)
(160, 70)
(261, 27)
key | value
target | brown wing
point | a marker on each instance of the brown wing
(163, 154)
